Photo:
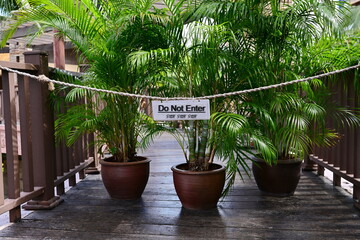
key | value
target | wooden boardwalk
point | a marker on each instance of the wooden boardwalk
(316, 211)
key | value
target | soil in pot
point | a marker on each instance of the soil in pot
(199, 190)
(278, 180)
(125, 180)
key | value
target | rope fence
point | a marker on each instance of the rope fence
(43, 78)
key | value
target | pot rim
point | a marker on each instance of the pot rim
(281, 161)
(106, 163)
(181, 171)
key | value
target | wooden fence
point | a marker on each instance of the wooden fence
(43, 165)
(343, 160)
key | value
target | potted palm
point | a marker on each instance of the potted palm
(271, 46)
(105, 33)
(293, 118)
(297, 125)
(185, 69)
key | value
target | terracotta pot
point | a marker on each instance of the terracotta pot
(199, 190)
(125, 180)
(278, 180)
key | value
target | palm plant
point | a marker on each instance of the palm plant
(104, 33)
(246, 44)
(198, 63)
(272, 46)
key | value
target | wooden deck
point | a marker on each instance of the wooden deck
(316, 211)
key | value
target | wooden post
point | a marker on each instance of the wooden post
(342, 153)
(356, 190)
(337, 154)
(350, 147)
(2, 192)
(42, 133)
(12, 157)
(61, 149)
(90, 139)
(59, 50)
(308, 165)
(72, 155)
(25, 126)
(356, 193)
(82, 155)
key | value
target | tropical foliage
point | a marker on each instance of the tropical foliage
(237, 45)
(6, 6)
(274, 47)
(195, 49)
(104, 33)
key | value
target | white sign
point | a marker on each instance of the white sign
(181, 110)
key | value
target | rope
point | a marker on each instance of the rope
(43, 78)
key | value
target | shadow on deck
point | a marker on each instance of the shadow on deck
(316, 211)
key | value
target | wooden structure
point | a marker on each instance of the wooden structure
(355, 2)
(343, 160)
(43, 165)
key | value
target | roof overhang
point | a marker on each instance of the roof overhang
(355, 2)
(24, 33)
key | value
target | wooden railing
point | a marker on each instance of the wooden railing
(43, 165)
(343, 160)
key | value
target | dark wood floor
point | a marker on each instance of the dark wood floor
(316, 211)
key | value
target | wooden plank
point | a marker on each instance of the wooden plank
(11, 135)
(343, 153)
(59, 62)
(336, 170)
(59, 160)
(12, 160)
(356, 190)
(73, 171)
(19, 66)
(2, 192)
(63, 148)
(59, 50)
(65, 156)
(26, 31)
(71, 158)
(23, 198)
(25, 126)
(357, 144)
(350, 147)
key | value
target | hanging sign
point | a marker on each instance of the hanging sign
(181, 110)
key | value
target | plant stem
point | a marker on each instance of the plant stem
(192, 143)
(202, 145)
(212, 155)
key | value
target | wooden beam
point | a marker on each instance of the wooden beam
(336, 170)
(355, 2)
(27, 31)
(73, 171)
(19, 66)
(24, 197)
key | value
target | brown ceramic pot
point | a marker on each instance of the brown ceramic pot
(199, 190)
(278, 180)
(125, 180)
